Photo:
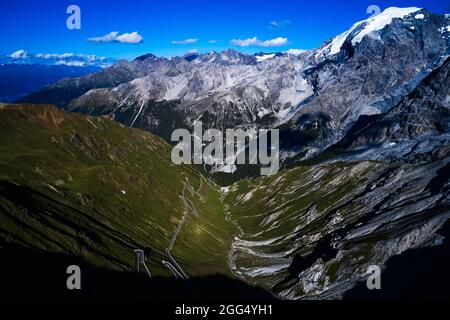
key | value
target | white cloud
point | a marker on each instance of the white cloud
(67, 58)
(186, 41)
(114, 36)
(132, 38)
(106, 38)
(212, 41)
(90, 57)
(274, 24)
(295, 52)
(71, 56)
(54, 55)
(71, 63)
(192, 51)
(277, 42)
(278, 24)
(20, 54)
(246, 42)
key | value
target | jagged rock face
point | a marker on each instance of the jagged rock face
(315, 97)
(425, 110)
(312, 232)
(370, 76)
(232, 95)
(226, 58)
(415, 130)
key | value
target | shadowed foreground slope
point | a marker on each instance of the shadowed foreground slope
(33, 275)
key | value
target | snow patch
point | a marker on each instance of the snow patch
(228, 168)
(444, 29)
(265, 57)
(247, 196)
(371, 25)
(265, 271)
(225, 189)
(382, 20)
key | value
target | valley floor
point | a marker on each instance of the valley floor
(88, 189)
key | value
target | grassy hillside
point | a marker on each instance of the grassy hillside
(93, 188)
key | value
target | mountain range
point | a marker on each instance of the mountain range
(364, 126)
(316, 96)
(12, 75)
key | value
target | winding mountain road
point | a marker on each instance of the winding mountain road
(173, 266)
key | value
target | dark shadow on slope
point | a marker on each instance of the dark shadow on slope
(416, 274)
(300, 263)
(31, 275)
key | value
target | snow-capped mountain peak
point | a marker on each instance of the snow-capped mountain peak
(366, 27)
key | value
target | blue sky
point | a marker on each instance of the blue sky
(40, 26)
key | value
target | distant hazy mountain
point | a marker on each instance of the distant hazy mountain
(51, 59)
(18, 80)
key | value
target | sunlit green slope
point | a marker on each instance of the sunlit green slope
(93, 188)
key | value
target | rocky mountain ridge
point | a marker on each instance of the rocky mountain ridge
(316, 97)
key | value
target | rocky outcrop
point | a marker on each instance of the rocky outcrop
(313, 232)
(415, 130)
